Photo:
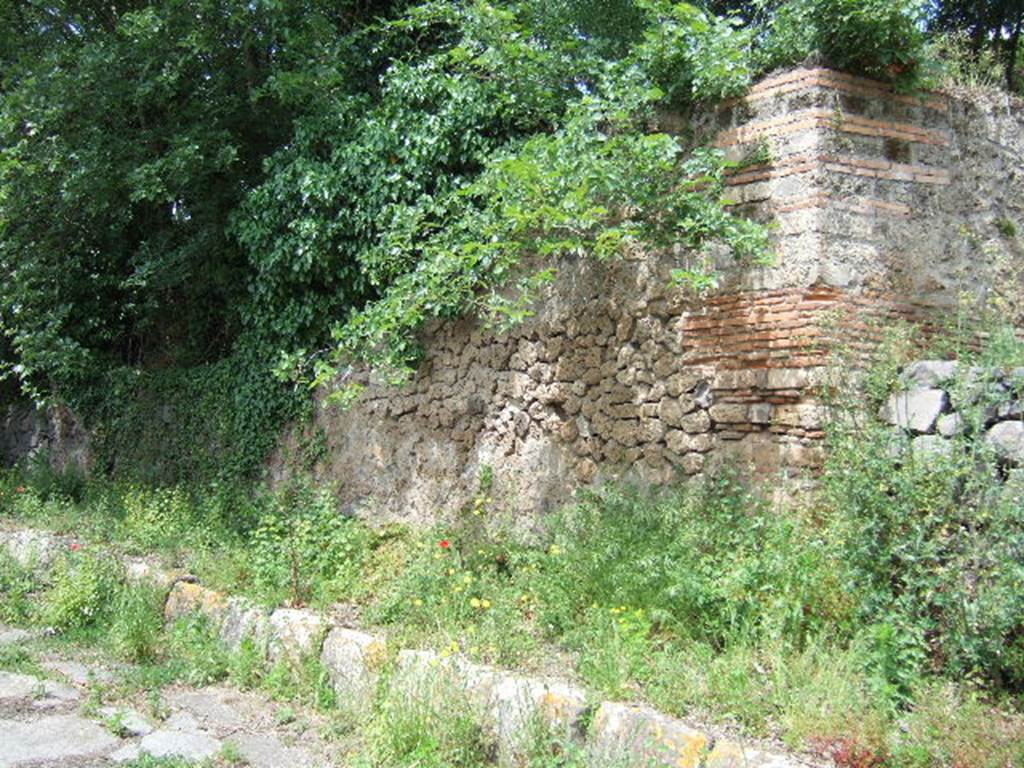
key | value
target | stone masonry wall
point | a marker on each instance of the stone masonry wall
(885, 205)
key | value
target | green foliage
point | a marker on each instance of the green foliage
(432, 727)
(713, 565)
(932, 543)
(191, 191)
(81, 588)
(137, 627)
(304, 549)
(195, 652)
(17, 585)
(878, 38)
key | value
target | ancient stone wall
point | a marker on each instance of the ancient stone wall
(884, 205)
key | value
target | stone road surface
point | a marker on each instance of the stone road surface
(51, 720)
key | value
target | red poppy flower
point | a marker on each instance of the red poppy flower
(445, 544)
(74, 546)
(20, 489)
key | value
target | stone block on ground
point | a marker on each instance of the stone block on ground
(55, 740)
(33, 692)
(263, 751)
(32, 549)
(130, 722)
(13, 636)
(950, 425)
(187, 744)
(353, 660)
(916, 410)
(295, 634)
(1007, 438)
(639, 735)
(139, 571)
(520, 705)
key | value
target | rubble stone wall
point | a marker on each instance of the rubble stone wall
(885, 205)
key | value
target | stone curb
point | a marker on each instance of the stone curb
(510, 704)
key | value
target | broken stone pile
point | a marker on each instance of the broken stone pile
(509, 703)
(940, 401)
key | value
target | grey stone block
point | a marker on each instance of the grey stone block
(353, 660)
(186, 744)
(640, 735)
(295, 634)
(1007, 438)
(929, 373)
(916, 410)
(52, 740)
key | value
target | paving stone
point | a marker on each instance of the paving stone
(187, 744)
(645, 736)
(261, 751)
(915, 409)
(211, 707)
(125, 753)
(13, 636)
(132, 723)
(78, 673)
(52, 739)
(182, 721)
(16, 688)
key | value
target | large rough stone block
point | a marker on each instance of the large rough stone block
(295, 634)
(353, 660)
(1007, 438)
(929, 373)
(244, 620)
(33, 549)
(640, 735)
(729, 754)
(520, 704)
(915, 409)
(186, 598)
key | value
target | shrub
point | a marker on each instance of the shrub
(137, 627)
(195, 652)
(712, 564)
(17, 585)
(84, 583)
(303, 548)
(430, 728)
(879, 38)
